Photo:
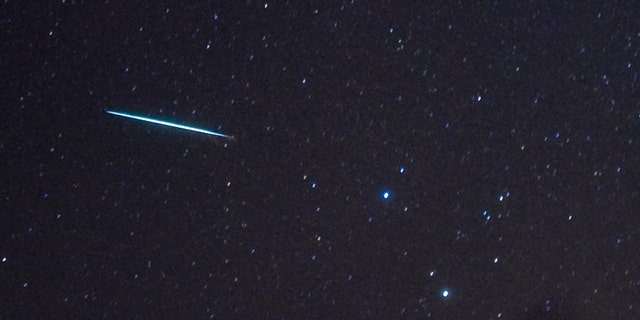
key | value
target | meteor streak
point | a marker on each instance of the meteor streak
(169, 124)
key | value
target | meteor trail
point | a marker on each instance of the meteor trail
(169, 124)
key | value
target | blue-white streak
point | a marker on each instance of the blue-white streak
(169, 124)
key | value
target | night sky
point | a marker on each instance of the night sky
(468, 160)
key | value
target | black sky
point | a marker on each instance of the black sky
(506, 135)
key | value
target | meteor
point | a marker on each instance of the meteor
(169, 124)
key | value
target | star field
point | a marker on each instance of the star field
(421, 161)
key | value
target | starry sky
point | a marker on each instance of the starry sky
(442, 160)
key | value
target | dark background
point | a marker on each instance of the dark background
(502, 131)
